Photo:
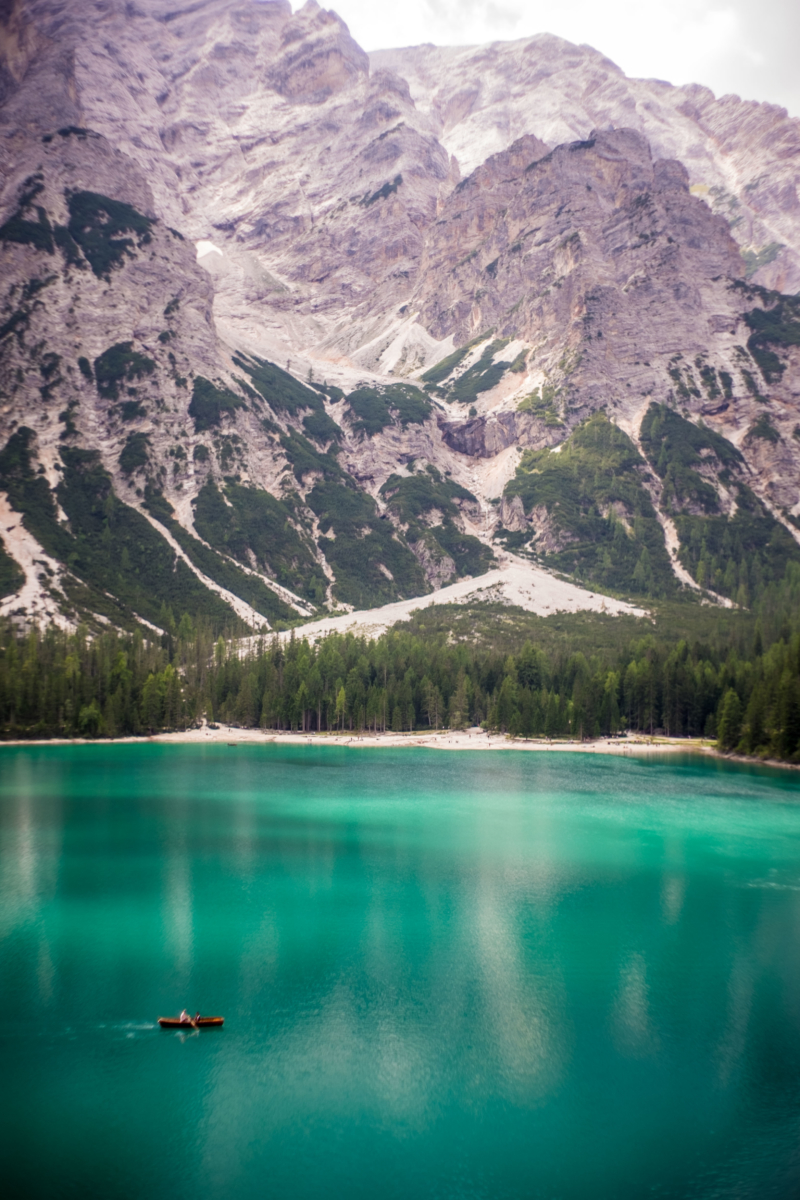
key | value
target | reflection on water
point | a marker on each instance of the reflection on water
(440, 974)
(633, 1028)
(740, 1001)
(178, 907)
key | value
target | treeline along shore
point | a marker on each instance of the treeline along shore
(740, 686)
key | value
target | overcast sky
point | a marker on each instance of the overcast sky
(750, 47)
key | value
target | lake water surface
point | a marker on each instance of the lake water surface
(451, 975)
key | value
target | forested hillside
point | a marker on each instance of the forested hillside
(732, 678)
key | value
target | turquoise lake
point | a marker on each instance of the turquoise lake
(451, 975)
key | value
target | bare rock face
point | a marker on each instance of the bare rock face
(623, 284)
(258, 129)
(72, 291)
(512, 515)
(741, 156)
(439, 568)
(488, 436)
(527, 237)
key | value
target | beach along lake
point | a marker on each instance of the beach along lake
(442, 975)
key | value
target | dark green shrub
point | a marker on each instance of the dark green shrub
(281, 390)
(777, 325)
(132, 410)
(376, 407)
(120, 364)
(321, 427)
(382, 193)
(328, 389)
(209, 402)
(764, 429)
(133, 455)
(440, 372)
(306, 458)
(38, 234)
(96, 223)
(11, 576)
(68, 246)
(18, 228)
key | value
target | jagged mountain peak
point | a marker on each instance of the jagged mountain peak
(741, 155)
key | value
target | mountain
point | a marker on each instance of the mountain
(450, 304)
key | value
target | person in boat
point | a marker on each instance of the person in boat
(184, 1018)
(196, 1017)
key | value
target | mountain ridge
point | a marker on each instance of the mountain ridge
(340, 402)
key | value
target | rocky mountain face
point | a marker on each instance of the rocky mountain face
(740, 157)
(448, 303)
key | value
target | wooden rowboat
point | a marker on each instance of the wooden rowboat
(200, 1023)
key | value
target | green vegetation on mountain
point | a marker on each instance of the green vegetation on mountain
(328, 389)
(209, 402)
(764, 429)
(112, 548)
(119, 365)
(11, 576)
(96, 224)
(735, 554)
(134, 454)
(19, 228)
(739, 555)
(218, 569)
(676, 448)
(372, 565)
(775, 325)
(413, 498)
(482, 376)
(27, 298)
(542, 404)
(306, 459)
(322, 428)
(253, 522)
(754, 260)
(131, 410)
(382, 193)
(374, 408)
(603, 527)
(440, 372)
(282, 392)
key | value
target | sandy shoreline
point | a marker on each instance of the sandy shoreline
(474, 739)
